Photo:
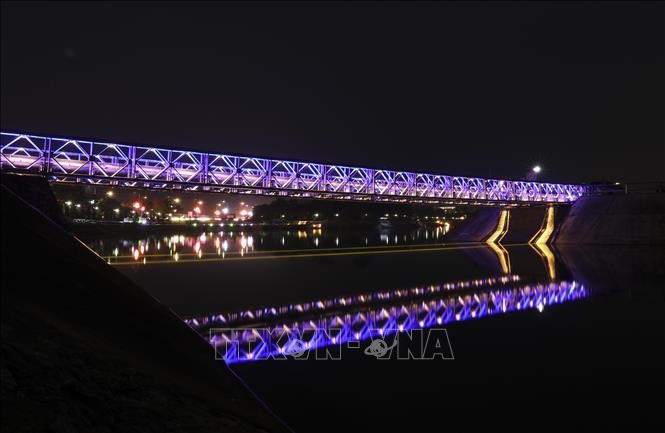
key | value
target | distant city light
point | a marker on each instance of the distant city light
(197, 209)
(176, 200)
(109, 193)
(537, 169)
(200, 202)
(225, 210)
(136, 205)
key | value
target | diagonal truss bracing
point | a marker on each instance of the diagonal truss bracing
(75, 160)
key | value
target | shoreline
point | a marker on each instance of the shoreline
(115, 228)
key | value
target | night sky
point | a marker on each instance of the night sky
(470, 89)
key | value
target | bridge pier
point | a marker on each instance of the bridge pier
(535, 224)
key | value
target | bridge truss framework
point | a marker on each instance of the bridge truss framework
(101, 163)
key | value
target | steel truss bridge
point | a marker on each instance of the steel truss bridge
(100, 163)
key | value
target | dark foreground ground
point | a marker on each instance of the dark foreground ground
(85, 349)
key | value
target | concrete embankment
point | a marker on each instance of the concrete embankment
(637, 219)
(477, 227)
(518, 226)
(615, 219)
(85, 349)
(523, 224)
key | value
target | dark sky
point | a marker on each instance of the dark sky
(470, 89)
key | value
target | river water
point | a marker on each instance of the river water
(313, 321)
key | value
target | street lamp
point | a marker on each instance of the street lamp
(532, 175)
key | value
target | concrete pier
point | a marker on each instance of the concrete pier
(635, 219)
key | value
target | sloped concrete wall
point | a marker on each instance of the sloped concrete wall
(477, 227)
(615, 219)
(523, 224)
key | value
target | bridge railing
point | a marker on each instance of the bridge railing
(74, 160)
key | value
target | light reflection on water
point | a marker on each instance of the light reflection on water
(323, 322)
(528, 319)
(258, 335)
(222, 244)
(517, 316)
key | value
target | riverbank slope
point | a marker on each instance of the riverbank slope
(85, 349)
(637, 219)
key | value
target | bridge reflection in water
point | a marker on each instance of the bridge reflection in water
(257, 334)
(272, 331)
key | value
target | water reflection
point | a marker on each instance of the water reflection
(315, 307)
(503, 256)
(547, 256)
(216, 244)
(322, 322)
(270, 331)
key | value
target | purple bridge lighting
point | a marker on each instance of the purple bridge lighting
(255, 335)
(100, 163)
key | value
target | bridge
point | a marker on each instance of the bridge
(92, 162)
